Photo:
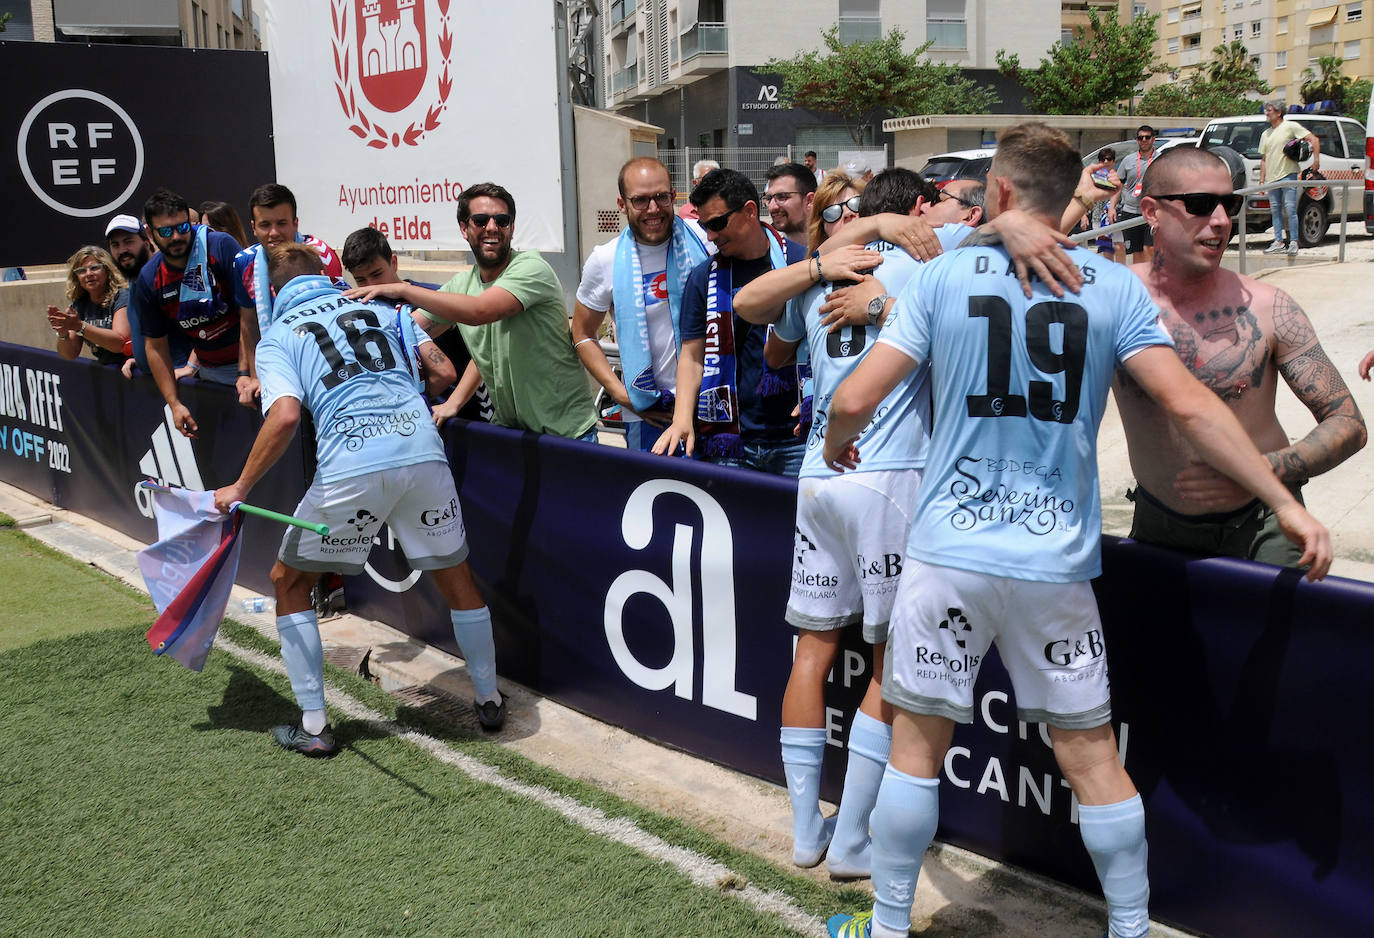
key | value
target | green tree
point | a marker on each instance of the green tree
(1220, 89)
(863, 82)
(4, 18)
(1232, 68)
(1357, 98)
(1327, 83)
(1104, 65)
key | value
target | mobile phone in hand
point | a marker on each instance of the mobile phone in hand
(1103, 181)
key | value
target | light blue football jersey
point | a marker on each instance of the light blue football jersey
(1019, 386)
(351, 365)
(896, 438)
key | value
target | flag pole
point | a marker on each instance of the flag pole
(318, 528)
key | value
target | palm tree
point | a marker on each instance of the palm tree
(1232, 69)
(1326, 84)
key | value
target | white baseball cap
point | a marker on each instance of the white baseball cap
(856, 167)
(123, 223)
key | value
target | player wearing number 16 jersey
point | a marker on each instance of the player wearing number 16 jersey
(354, 367)
(1007, 527)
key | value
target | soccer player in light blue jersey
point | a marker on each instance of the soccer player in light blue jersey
(355, 366)
(1007, 528)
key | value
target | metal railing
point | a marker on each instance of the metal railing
(1241, 229)
(625, 79)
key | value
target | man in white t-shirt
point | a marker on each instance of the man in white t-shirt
(638, 277)
(1277, 166)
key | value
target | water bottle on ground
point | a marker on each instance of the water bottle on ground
(259, 604)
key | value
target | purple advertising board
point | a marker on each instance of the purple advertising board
(650, 593)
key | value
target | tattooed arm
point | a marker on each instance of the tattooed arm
(1340, 431)
(436, 368)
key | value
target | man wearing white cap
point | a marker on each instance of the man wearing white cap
(128, 245)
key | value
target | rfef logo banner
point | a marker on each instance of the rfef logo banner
(88, 137)
(383, 116)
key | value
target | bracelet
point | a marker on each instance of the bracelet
(81, 333)
(244, 374)
(581, 341)
(819, 276)
(1086, 202)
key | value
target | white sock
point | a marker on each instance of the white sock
(1115, 837)
(312, 721)
(904, 822)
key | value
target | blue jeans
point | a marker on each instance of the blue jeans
(1283, 204)
(781, 459)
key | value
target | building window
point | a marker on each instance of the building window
(1192, 13)
(1138, 10)
(1256, 28)
(1173, 45)
(1352, 50)
(860, 21)
(1173, 14)
(1354, 12)
(1281, 60)
(1236, 32)
(1194, 42)
(946, 24)
(1281, 27)
(1255, 62)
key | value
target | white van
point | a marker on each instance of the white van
(1343, 145)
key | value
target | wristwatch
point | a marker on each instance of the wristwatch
(81, 333)
(875, 308)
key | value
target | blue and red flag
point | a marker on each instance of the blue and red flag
(189, 572)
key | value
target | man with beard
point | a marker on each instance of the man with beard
(186, 289)
(128, 245)
(788, 195)
(638, 277)
(509, 308)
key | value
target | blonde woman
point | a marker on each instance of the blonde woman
(97, 309)
(835, 205)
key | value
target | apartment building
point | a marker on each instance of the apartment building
(1283, 37)
(688, 65)
(199, 24)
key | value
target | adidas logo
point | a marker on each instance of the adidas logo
(170, 460)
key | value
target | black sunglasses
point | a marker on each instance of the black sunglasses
(718, 223)
(1144, 137)
(950, 195)
(1203, 204)
(481, 218)
(166, 231)
(832, 213)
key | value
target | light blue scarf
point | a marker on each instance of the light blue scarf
(262, 285)
(685, 251)
(196, 286)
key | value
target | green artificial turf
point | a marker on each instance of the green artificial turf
(140, 798)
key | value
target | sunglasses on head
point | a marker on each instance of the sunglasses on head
(833, 213)
(718, 223)
(502, 220)
(1203, 204)
(166, 231)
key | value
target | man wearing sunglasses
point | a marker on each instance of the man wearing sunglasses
(745, 407)
(509, 309)
(960, 202)
(638, 277)
(1125, 202)
(186, 289)
(788, 195)
(1238, 336)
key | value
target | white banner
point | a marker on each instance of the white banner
(385, 110)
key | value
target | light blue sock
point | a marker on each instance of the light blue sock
(904, 822)
(803, 747)
(870, 743)
(1115, 837)
(303, 656)
(472, 629)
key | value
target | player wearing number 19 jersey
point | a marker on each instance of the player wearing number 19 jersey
(1007, 524)
(353, 366)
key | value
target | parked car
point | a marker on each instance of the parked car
(1343, 156)
(1369, 170)
(961, 164)
(1126, 147)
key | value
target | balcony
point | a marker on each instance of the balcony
(1191, 56)
(625, 80)
(621, 11)
(949, 35)
(860, 29)
(705, 49)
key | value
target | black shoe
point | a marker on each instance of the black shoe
(296, 739)
(491, 715)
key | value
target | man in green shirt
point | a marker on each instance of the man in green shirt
(509, 308)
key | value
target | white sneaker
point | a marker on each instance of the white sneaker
(1292, 249)
(1275, 248)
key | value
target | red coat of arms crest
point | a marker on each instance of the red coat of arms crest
(382, 48)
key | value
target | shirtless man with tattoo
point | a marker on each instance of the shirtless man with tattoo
(1238, 336)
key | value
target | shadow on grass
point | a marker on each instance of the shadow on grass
(249, 704)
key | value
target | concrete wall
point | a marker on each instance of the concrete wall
(604, 142)
(24, 305)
